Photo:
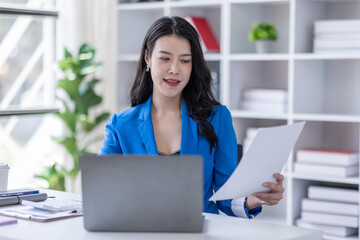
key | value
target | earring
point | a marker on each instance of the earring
(147, 68)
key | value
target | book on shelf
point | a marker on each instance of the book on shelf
(265, 100)
(208, 38)
(338, 231)
(337, 26)
(249, 105)
(336, 51)
(330, 219)
(327, 157)
(336, 171)
(266, 95)
(336, 44)
(321, 206)
(338, 36)
(333, 194)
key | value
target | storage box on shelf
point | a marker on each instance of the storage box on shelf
(322, 89)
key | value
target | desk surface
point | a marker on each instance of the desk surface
(215, 227)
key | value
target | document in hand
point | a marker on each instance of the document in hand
(266, 155)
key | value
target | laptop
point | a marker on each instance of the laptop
(142, 193)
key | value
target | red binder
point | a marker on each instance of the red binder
(209, 41)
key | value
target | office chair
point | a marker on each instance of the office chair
(240, 152)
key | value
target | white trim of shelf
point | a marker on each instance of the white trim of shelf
(325, 56)
(213, 56)
(317, 177)
(141, 6)
(259, 115)
(135, 57)
(209, 3)
(258, 1)
(327, 117)
(128, 57)
(260, 57)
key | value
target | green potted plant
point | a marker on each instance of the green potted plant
(264, 35)
(77, 96)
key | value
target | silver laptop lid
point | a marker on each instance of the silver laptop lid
(142, 193)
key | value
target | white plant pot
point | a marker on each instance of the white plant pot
(264, 46)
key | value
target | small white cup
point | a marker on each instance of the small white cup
(4, 175)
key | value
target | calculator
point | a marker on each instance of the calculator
(56, 205)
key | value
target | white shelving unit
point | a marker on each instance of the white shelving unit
(323, 89)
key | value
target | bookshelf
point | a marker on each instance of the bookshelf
(323, 89)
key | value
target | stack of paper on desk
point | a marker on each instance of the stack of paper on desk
(38, 215)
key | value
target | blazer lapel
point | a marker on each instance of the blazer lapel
(189, 136)
(146, 129)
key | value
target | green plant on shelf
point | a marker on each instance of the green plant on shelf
(263, 31)
(78, 85)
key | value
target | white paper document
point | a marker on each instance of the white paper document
(266, 155)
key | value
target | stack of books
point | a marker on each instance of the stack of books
(335, 211)
(335, 163)
(265, 100)
(337, 36)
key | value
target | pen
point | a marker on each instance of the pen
(18, 215)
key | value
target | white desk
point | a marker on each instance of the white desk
(215, 227)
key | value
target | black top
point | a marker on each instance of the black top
(177, 153)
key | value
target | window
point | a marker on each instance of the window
(27, 92)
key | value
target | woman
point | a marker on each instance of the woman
(174, 112)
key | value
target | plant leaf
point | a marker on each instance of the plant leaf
(87, 124)
(102, 117)
(69, 119)
(87, 69)
(71, 87)
(87, 100)
(57, 181)
(88, 85)
(70, 144)
(67, 54)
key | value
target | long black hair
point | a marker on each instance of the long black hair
(197, 93)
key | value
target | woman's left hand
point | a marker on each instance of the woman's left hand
(272, 197)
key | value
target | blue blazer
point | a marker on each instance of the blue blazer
(131, 132)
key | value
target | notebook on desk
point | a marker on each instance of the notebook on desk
(142, 193)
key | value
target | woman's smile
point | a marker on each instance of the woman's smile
(171, 82)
